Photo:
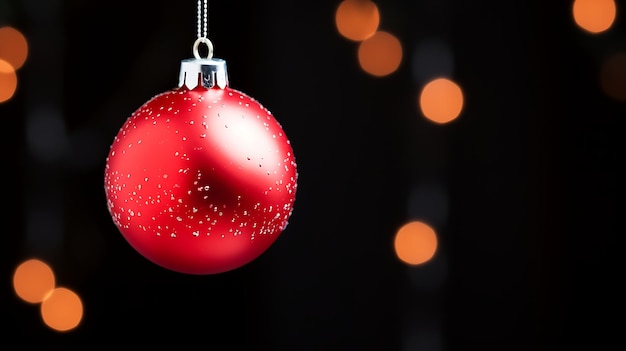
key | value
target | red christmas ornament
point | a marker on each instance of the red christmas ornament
(201, 179)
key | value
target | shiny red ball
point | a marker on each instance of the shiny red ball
(201, 181)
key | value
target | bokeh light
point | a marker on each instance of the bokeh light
(8, 81)
(415, 243)
(613, 76)
(33, 280)
(441, 100)
(594, 16)
(13, 46)
(381, 54)
(357, 20)
(62, 310)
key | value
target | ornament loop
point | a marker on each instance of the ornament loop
(207, 42)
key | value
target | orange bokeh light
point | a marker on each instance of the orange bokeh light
(415, 243)
(594, 16)
(13, 47)
(62, 310)
(357, 20)
(381, 54)
(33, 280)
(8, 81)
(441, 100)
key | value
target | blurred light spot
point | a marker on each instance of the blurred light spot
(62, 310)
(8, 81)
(415, 243)
(13, 47)
(429, 201)
(33, 280)
(441, 100)
(432, 58)
(594, 16)
(46, 136)
(613, 76)
(357, 20)
(381, 54)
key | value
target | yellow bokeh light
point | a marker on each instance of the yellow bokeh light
(8, 81)
(13, 47)
(381, 54)
(594, 16)
(441, 100)
(62, 310)
(415, 243)
(33, 280)
(357, 20)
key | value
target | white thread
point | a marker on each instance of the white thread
(199, 12)
(203, 19)
(206, 18)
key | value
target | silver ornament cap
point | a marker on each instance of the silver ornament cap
(209, 72)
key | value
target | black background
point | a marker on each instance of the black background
(530, 169)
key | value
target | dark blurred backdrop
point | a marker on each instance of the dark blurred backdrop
(528, 256)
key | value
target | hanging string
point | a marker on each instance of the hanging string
(199, 15)
(203, 19)
(203, 30)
